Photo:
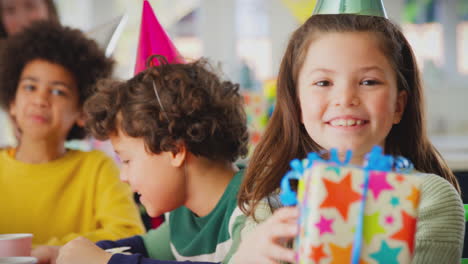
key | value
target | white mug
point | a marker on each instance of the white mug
(18, 260)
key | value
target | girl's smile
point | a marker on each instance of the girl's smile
(347, 122)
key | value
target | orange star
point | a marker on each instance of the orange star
(407, 231)
(414, 197)
(340, 195)
(317, 253)
(400, 178)
(342, 255)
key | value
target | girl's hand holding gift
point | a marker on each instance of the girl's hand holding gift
(82, 250)
(266, 244)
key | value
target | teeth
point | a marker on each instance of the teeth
(346, 122)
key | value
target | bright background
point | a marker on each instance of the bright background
(248, 37)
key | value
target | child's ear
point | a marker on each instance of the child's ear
(178, 159)
(400, 106)
(80, 121)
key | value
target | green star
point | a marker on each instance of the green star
(372, 227)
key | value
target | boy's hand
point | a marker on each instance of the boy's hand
(45, 254)
(264, 244)
(81, 250)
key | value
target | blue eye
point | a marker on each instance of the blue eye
(58, 92)
(323, 83)
(29, 87)
(370, 82)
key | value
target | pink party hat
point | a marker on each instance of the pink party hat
(153, 40)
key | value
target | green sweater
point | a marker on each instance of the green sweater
(212, 238)
(441, 223)
(440, 226)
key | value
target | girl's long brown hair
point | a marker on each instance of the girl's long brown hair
(285, 137)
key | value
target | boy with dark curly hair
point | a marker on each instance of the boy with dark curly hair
(177, 128)
(57, 194)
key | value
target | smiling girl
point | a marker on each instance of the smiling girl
(349, 82)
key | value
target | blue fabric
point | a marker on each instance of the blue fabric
(139, 259)
(135, 243)
(138, 250)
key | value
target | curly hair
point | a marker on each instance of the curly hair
(57, 44)
(195, 108)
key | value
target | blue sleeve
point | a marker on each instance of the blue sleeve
(139, 256)
(139, 259)
(135, 243)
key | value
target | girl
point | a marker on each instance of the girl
(177, 128)
(15, 15)
(349, 82)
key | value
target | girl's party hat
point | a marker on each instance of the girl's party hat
(153, 40)
(357, 7)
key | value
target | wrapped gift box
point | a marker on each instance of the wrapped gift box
(330, 198)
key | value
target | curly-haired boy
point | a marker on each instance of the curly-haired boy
(177, 128)
(57, 194)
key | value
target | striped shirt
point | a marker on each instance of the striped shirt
(187, 237)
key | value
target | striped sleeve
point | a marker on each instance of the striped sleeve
(244, 225)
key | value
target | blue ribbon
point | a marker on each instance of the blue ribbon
(288, 197)
(335, 158)
(357, 245)
(374, 160)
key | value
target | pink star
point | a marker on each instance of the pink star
(378, 183)
(389, 219)
(324, 225)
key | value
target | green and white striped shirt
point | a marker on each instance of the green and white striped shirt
(212, 238)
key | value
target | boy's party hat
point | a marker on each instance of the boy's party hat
(357, 7)
(153, 40)
(107, 35)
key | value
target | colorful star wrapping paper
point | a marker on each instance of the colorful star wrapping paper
(329, 198)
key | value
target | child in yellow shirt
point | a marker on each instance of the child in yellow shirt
(57, 194)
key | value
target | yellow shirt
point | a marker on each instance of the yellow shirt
(79, 194)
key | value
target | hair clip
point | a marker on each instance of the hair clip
(159, 101)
